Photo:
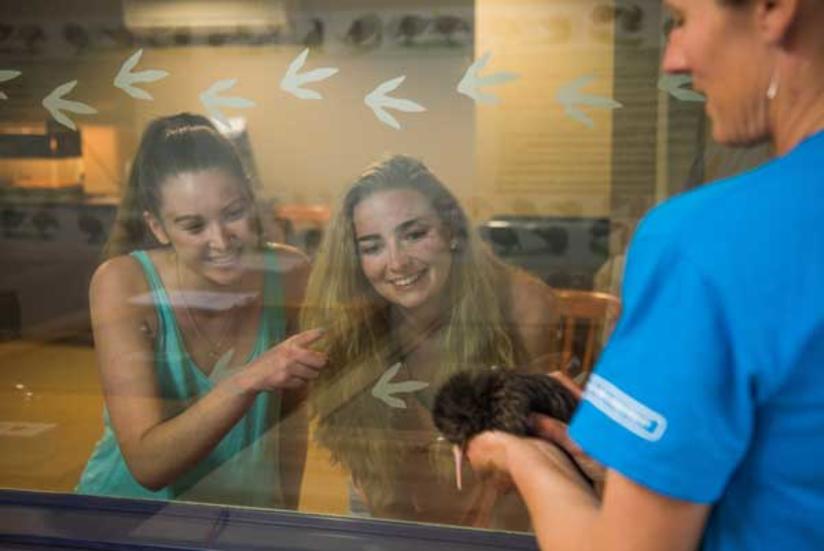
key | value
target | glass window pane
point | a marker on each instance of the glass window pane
(457, 181)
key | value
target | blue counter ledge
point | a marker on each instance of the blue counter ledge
(34, 520)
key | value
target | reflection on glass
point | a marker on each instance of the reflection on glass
(548, 124)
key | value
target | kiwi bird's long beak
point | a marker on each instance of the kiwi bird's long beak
(458, 455)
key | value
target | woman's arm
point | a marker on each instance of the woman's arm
(567, 515)
(158, 449)
(535, 317)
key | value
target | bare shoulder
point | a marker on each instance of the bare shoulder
(118, 276)
(532, 300)
(119, 292)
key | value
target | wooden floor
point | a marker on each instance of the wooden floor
(50, 418)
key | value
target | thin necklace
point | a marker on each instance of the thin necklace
(213, 347)
(404, 350)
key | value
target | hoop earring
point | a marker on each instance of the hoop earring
(772, 89)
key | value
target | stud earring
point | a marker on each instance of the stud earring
(453, 245)
(772, 89)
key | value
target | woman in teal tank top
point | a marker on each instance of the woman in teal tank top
(191, 315)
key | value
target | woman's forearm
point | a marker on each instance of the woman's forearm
(562, 506)
(168, 449)
(162, 452)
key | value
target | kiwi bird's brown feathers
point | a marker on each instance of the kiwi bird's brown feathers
(471, 402)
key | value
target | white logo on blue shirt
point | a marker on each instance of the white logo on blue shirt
(625, 410)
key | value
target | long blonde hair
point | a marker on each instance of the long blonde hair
(351, 423)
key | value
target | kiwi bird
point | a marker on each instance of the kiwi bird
(474, 401)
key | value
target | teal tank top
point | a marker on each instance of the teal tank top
(243, 468)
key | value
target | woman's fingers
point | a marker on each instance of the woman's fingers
(306, 338)
(291, 364)
(555, 431)
(294, 350)
(304, 372)
(307, 357)
(293, 382)
(565, 380)
(297, 371)
(298, 346)
(487, 451)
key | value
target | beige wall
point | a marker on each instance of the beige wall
(532, 157)
(523, 155)
(306, 151)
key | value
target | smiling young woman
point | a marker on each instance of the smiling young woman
(192, 317)
(409, 293)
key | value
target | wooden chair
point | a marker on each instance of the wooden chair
(587, 319)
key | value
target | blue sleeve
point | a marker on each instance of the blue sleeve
(666, 406)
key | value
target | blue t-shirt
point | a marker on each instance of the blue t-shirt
(711, 389)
